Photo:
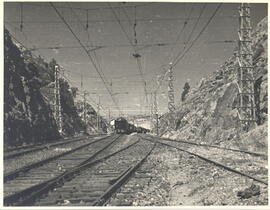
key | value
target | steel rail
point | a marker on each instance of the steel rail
(29, 195)
(11, 149)
(35, 148)
(38, 148)
(208, 145)
(211, 161)
(120, 180)
(13, 174)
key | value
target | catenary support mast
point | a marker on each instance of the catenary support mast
(84, 110)
(171, 106)
(246, 106)
(57, 102)
(155, 111)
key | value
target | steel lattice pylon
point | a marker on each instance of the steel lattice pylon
(171, 106)
(246, 106)
(84, 110)
(57, 102)
(155, 111)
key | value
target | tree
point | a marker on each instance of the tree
(185, 91)
(74, 91)
(52, 64)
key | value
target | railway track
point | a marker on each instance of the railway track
(90, 183)
(35, 176)
(10, 175)
(23, 150)
(223, 166)
(213, 146)
(28, 146)
(251, 163)
(127, 195)
(123, 177)
(113, 173)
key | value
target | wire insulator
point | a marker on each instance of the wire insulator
(87, 19)
(21, 24)
(134, 28)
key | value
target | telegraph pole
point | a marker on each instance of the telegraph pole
(57, 102)
(246, 106)
(81, 82)
(98, 124)
(84, 110)
(155, 111)
(109, 115)
(171, 106)
(152, 110)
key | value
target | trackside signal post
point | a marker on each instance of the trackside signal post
(57, 103)
(98, 110)
(246, 105)
(171, 106)
(84, 110)
(155, 110)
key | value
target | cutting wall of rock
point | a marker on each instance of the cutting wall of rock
(27, 117)
(209, 113)
(29, 96)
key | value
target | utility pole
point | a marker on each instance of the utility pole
(246, 106)
(157, 123)
(98, 123)
(84, 110)
(152, 110)
(155, 111)
(109, 115)
(57, 102)
(81, 82)
(151, 104)
(171, 106)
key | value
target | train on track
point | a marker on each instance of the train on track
(121, 126)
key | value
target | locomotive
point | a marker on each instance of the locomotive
(142, 130)
(121, 126)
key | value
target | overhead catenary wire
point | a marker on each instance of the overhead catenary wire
(25, 37)
(92, 9)
(62, 75)
(86, 51)
(191, 34)
(96, 47)
(130, 22)
(89, 39)
(122, 20)
(181, 30)
(18, 41)
(159, 83)
(74, 85)
(122, 27)
(128, 18)
(80, 93)
(184, 52)
(198, 36)
(122, 23)
(134, 48)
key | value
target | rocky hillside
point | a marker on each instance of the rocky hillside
(91, 118)
(208, 113)
(27, 116)
(28, 97)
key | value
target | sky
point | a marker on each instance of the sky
(160, 34)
